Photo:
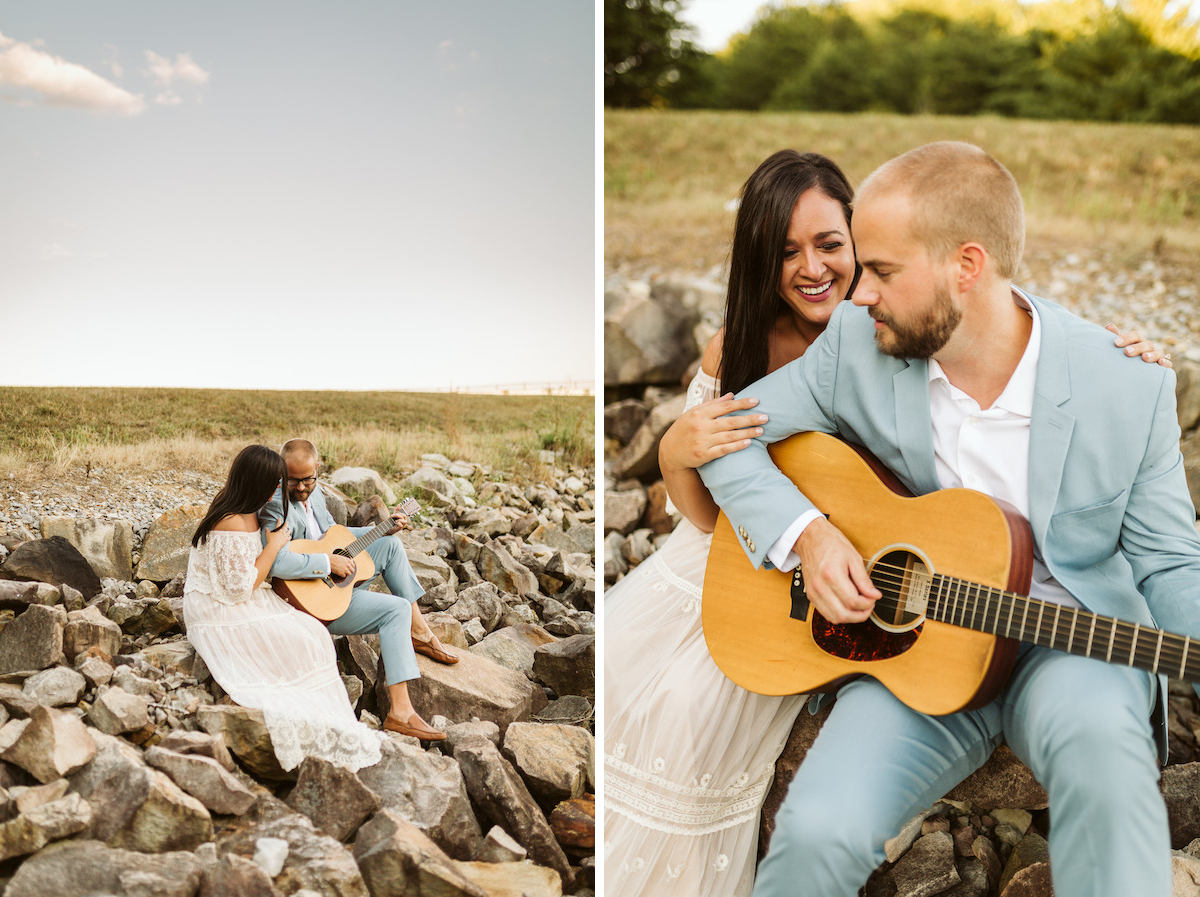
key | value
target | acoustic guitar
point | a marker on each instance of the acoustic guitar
(953, 567)
(328, 597)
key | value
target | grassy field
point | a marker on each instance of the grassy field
(201, 429)
(669, 175)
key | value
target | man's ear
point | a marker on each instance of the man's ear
(972, 260)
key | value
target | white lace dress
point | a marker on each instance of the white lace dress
(688, 755)
(267, 654)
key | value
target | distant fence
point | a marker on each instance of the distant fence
(528, 388)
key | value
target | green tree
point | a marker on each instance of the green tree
(648, 52)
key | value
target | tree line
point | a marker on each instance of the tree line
(1128, 60)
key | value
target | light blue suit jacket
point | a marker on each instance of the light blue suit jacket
(1108, 502)
(294, 564)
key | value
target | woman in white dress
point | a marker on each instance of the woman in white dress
(688, 755)
(261, 650)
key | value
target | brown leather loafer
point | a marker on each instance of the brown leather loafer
(413, 726)
(435, 650)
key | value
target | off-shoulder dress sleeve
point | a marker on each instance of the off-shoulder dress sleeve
(223, 568)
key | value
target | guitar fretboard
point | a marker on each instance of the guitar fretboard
(409, 506)
(1073, 630)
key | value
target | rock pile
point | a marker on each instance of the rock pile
(124, 769)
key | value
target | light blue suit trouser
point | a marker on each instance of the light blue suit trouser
(1082, 726)
(389, 615)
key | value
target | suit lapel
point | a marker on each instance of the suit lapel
(914, 428)
(1050, 426)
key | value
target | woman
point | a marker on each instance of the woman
(262, 651)
(689, 756)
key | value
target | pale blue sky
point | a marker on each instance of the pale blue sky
(194, 194)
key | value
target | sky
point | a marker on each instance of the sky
(304, 194)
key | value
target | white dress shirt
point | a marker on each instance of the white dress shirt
(982, 449)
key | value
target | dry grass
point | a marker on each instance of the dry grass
(668, 176)
(54, 430)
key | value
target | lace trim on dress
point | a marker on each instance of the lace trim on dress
(293, 738)
(662, 805)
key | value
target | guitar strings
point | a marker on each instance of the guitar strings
(1122, 639)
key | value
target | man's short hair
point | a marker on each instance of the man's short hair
(300, 449)
(959, 194)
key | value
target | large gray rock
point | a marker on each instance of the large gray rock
(141, 808)
(34, 640)
(473, 687)
(428, 790)
(482, 522)
(33, 830)
(513, 879)
(639, 459)
(235, 875)
(363, 482)
(116, 712)
(568, 666)
(513, 646)
(397, 858)
(55, 561)
(205, 779)
(333, 797)
(497, 789)
(244, 731)
(928, 868)
(431, 486)
(482, 603)
(647, 338)
(55, 687)
(106, 544)
(168, 543)
(314, 861)
(89, 631)
(556, 762)
(498, 566)
(623, 510)
(17, 595)
(89, 868)
(48, 745)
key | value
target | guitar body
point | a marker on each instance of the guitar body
(326, 599)
(934, 668)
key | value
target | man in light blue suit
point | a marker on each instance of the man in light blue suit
(952, 377)
(396, 617)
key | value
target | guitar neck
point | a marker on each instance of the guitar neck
(408, 506)
(1073, 630)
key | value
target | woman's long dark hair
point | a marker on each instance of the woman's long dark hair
(254, 475)
(753, 303)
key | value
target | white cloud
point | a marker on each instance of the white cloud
(62, 83)
(167, 73)
(55, 251)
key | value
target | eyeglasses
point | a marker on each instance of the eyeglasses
(307, 481)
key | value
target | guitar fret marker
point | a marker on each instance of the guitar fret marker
(1091, 635)
(1071, 636)
(1157, 650)
(1187, 643)
(1133, 644)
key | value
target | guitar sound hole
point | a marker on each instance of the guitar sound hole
(893, 574)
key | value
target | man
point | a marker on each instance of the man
(952, 377)
(396, 617)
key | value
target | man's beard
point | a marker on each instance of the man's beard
(922, 336)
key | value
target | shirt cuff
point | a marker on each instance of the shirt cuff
(780, 554)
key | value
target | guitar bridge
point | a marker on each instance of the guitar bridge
(800, 603)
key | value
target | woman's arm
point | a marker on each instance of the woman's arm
(700, 434)
(276, 539)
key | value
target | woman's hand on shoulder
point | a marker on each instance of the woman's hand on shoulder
(279, 537)
(705, 433)
(1133, 344)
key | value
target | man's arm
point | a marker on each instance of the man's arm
(1158, 531)
(289, 564)
(760, 501)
